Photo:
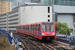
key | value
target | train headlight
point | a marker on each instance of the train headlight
(43, 34)
(53, 33)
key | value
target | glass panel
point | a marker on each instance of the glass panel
(52, 27)
(48, 27)
(43, 28)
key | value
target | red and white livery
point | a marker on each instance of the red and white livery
(39, 30)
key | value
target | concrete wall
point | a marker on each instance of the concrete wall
(33, 14)
(63, 9)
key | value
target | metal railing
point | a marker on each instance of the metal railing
(4, 33)
(66, 38)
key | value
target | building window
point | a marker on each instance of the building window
(4, 8)
(48, 9)
(4, 11)
(4, 2)
(4, 5)
(48, 20)
(48, 15)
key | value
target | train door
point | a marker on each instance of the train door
(38, 30)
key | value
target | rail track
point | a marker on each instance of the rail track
(34, 44)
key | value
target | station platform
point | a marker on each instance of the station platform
(5, 44)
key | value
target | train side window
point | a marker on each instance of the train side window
(39, 27)
(33, 27)
(28, 27)
(23, 27)
(16, 27)
(20, 27)
(36, 28)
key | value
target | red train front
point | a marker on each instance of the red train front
(42, 30)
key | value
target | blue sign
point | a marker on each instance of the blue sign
(47, 32)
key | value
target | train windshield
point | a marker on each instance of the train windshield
(48, 27)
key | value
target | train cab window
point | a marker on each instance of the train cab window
(43, 28)
(48, 27)
(52, 27)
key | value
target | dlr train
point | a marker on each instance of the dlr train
(41, 30)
